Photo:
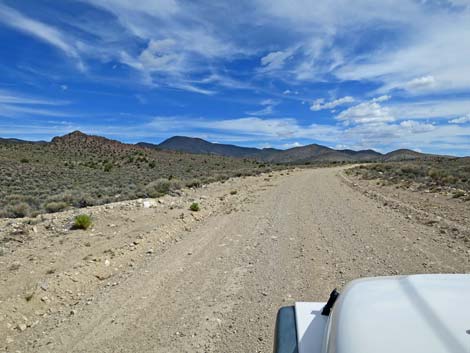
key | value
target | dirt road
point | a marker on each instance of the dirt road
(218, 287)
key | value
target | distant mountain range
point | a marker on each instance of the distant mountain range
(13, 140)
(304, 154)
(298, 155)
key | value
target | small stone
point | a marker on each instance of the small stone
(43, 285)
(102, 277)
(21, 327)
(147, 204)
(150, 251)
(107, 263)
(14, 266)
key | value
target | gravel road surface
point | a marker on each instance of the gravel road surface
(217, 289)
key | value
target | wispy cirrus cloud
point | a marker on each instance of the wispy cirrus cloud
(14, 104)
(42, 31)
(12, 97)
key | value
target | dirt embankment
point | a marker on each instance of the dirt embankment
(155, 277)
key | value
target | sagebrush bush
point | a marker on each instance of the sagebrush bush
(158, 187)
(52, 207)
(19, 210)
(194, 207)
(82, 221)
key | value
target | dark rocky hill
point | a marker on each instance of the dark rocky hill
(304, 154)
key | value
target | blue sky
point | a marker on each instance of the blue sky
(265, 73)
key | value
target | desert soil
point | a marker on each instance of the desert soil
(152, 276)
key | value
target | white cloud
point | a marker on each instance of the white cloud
(370, 112)
(13, 105)
(288, 91)
(156, 8)
(320, 104)
(383, 98)
(291, 145)
(267, 110)
(268, 107)
(269, 101)
(275, 60)
(420, 83)
(11, 97)
(14, 111)
(461, 120)
(440, 38)
(44, 32)
(420, 47)
(430, 109)
(416, 127)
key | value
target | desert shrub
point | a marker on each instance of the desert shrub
(435, 174)
(85, 201)
(107, 167)
(194, 207)
(82, 221)
(194, 183)
(53, 206)
(176, 184)
(19, 210)
(65, 197)
(222, 177)
(158, 187)
(24, 160)
(458, 194)
(233, 192)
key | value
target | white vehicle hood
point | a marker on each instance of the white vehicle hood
(418, 313)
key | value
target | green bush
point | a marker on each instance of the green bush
(158, 187)
(19, 210)
(107, 167)
(52, 207)
(194, 207)
(82, 221)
